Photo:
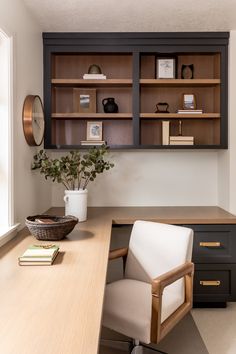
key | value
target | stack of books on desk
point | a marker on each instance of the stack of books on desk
(189, 111)
(39, 255)
(94, 77)
(93, 142)
(181, 140)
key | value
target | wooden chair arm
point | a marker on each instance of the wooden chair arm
(117, 253)
(159, 283)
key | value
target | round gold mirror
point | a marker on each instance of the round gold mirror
(33, 120)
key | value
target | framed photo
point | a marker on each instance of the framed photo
(94, 131)
(84, 100)
(165, 68)
(189, 101)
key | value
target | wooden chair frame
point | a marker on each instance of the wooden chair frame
(158, 329)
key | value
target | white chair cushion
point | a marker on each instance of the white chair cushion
(157, 248)
(128, 307)
(171, 299)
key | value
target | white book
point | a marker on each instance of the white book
(165, 132)
(189, 111)
(181, 138)
(94, 77)
(184, 142)
(93, 142)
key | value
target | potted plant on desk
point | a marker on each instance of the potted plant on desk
(74, 171)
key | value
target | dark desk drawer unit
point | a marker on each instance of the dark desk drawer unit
(214, 256)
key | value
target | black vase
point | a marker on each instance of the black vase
(109, 105)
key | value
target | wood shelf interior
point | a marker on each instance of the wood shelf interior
(71, 132)
(69, 126)
(62, 99)
(205, 86)
(207, 98)
(74, 66)
(206, 65)
(206, 132)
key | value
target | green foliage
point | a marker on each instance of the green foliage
(75, 170)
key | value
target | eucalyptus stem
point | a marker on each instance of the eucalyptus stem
(73, 170)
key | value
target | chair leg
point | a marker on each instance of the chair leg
(137, 349)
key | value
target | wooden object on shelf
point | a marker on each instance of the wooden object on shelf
(84, 100)
(129, 61)
(165, 132)
(92, 142)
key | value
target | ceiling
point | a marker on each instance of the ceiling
(133, 15)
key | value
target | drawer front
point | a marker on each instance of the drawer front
(214, 282)
(214, 243)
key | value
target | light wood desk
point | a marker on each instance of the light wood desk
(57, 309)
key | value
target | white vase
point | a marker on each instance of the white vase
(76, 203)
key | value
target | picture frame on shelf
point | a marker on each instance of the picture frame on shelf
(165, 67)
(94, 131)
(189, 101)
(84, 100)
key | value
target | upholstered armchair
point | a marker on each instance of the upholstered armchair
(156, 291)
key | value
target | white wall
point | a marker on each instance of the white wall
(154, 178)
(227, 159)
(139, 177)
(31, 194)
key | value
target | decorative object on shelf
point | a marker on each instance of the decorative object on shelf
(109, 105)
(74, 171)
(94, 73)
(94, 131)
(165, 67)
(162, 107)
(57, 229)
(94, 69)
(84, 100)
(33, 120)
(187, 71)
(180, 128)
(181, 140)
(165, 132)
(190, 111)
(189, 101)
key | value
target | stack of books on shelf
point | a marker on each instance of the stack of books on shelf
(189, 111)
(39, 255)
(94, 77)
(181, 140)
(93, 142)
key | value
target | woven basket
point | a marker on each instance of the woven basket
(57, 231)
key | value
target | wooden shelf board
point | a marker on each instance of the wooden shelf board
(92, 115)
(180, 82)
(94, 83)
(178, 115)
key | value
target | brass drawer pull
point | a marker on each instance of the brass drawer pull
(210, 244)
(210, 282)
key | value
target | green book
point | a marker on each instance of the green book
(40, 253)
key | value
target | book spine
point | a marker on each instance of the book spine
(165, 132)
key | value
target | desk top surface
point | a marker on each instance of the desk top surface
(57, 309)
